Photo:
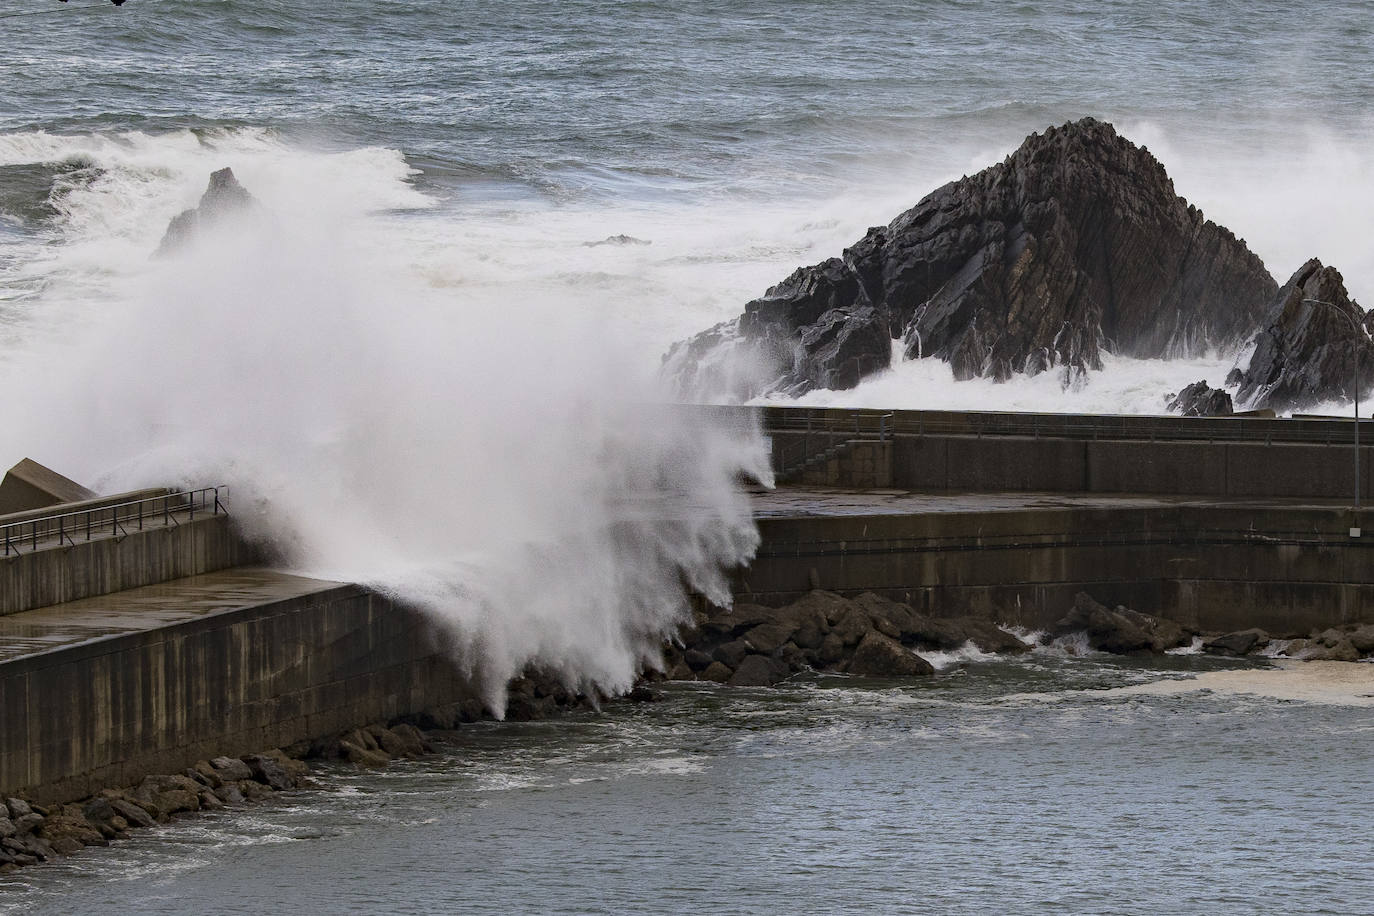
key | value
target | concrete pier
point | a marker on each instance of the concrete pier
(145, 647)
(103, 691)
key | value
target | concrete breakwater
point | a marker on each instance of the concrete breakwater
(118, 677)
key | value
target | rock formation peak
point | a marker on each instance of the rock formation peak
(1076, 243)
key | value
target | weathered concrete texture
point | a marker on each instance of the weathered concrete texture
(1287, 568)
(959, 463)
(152, 680)
(107, 564)
(30, 485)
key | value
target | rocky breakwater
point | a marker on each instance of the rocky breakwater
(872, 636)
(1075, 244)
(32, 833)
(867, 636)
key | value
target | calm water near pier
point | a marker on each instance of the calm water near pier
(1036, 785)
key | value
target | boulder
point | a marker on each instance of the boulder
(1306, 353)
(1242, 642)
(1363, 639)
(731, 653)
(883, 656)
(831, 651)
(231, 769)
(230, 794)
(1342, 651)
(718, 672)
(135, 814)
(736, 621)
(163, 796)
(696, 659)
(416, 741)
(758, 671)
(768, 638)
(268, 771)
(7, 828)
(18, 807)
(68, 833)
(852, 625)
(208, 774)
(27, 823)
(224, 200)
(1121, 631)
(1075, 244)
(1201, 400)
(889, 617)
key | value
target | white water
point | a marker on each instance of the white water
(482, 451)
(440, 395)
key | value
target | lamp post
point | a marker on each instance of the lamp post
(1361, 336)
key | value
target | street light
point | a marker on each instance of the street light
(1362, 335)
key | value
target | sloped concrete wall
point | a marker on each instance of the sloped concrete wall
(104, 565)
(1288, 570)
(107, 713)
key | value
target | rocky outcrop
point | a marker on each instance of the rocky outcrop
(1120, 631)
(1201, 400)
(1306, 352)
(225, 199)
(31, 833)
(866, 636)
(1241, 642)
(1074, 244)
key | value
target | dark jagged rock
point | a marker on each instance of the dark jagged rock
(1121, 631)
(224, 199)
(1074, 244)
(883, 656)
(1306, 353)
(1201, 400)
(1239, 643)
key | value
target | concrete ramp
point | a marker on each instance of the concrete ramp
(30, 485)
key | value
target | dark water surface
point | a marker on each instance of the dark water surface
(1025, 786)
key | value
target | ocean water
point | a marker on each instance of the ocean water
(1043, 784)
(429, 364)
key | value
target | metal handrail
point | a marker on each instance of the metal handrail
(113, 518)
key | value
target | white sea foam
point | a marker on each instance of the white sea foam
(485, 452)
(968, 652)
(1325, 683)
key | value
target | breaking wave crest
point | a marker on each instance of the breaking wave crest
(489, 457)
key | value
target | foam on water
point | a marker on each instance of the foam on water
(1324, 683)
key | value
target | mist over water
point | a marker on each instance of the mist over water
(492, 458)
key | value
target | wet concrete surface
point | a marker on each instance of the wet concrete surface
(62, 626)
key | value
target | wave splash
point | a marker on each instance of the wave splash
(487, 458)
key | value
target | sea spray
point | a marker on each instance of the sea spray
(487, 458)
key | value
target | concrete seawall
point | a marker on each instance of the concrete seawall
(942, 451)
(107, 676)
(1020, 560)
(106, 564)
(227, 663)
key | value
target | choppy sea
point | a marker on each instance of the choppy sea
(490, 219)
